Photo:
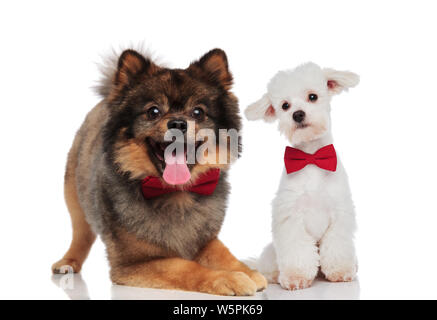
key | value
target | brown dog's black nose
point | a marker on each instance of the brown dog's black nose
(298, 116)
(177, 124)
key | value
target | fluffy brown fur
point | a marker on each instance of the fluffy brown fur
(169, 241)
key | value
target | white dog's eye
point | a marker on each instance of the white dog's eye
(285, 106)
(312, 97)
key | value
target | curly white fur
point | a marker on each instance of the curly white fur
(313, 213)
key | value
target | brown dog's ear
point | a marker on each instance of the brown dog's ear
(131, 67)
(213, 67)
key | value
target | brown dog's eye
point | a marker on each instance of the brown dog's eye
(198, 113)
(312, 97)
(153, 113)
(285, 106)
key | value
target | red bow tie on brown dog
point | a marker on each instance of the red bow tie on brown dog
(204, 185)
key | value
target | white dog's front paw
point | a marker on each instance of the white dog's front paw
(294, 281)
(338, 261)
(340, 273)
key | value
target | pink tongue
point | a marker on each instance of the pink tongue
(176, 170)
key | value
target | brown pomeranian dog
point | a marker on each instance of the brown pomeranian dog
(158, 218)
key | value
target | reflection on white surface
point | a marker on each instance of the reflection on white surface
(132, 293)
(320, 290)
(73, 285)
(76, 289)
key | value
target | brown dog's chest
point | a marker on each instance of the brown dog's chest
(175, 225)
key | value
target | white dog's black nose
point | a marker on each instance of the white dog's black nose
(298, 116)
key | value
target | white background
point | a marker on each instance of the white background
(384, 129)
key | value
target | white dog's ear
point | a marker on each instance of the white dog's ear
(338, 81)
(261, 109)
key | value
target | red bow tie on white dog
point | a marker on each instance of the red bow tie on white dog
(325, 158)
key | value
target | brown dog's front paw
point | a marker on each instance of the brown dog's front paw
(66, 266)
(230, 284)
(259, 279)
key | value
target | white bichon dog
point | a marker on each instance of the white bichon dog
(313, 213)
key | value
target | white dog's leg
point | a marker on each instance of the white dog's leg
(337, 252)
(297, 253)
(267, 264)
